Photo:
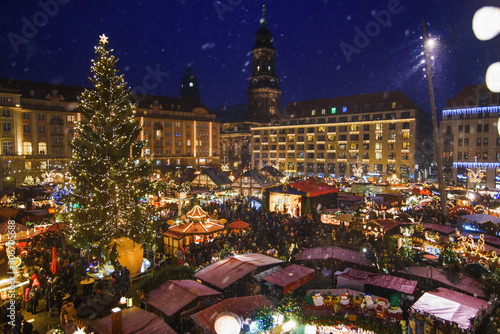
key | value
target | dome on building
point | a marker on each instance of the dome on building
(263, 38)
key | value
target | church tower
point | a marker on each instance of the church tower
(189, 85)
(263, 91)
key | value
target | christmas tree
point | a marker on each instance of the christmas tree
(109, 177)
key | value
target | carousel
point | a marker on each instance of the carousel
(198, 227)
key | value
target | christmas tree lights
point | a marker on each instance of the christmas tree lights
(109, 177)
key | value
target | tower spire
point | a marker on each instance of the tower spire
(263, 20)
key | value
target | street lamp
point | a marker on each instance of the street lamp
(428, 43)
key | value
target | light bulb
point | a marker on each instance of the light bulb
(486, 23)
(493, 77)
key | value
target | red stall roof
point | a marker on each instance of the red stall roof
(291, 277)
(225, 272)
(332, 252)
(395, 283)
(241, 306)
(313, 187)
(172, 296)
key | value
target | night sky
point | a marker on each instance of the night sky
(166, 36)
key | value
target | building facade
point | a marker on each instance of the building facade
(380, 134)
(471, 141)
(38, 122)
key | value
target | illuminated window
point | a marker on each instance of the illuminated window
(378, 127)
(313, 112)
(378, 155)
(42, 148)
(27, 148)
(344, 109)
(323, 112)
(406, 135)
(334, 110)
(355, 127)
(378, 146)
(378, 136)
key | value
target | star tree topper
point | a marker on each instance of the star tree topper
(104, 39)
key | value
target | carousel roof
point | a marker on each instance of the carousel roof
(197, 213)
(194, 228)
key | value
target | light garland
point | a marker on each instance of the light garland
(476, 110)
(483, 165)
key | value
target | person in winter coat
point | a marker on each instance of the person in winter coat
(27, 299)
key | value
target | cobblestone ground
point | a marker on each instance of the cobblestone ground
(41, 320)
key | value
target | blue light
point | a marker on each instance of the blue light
(477, 110)
(484, 165)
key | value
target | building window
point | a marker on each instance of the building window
(71, 118)
(7, 147)
(6, 113)
(485, 155)
(378, 155)
(6, 126)
(378, 136)
(460, 128)
(333, 110)
(344, 109)
(479, 128)
(478, 142)
(27, 165)
(486, 128)
(42, 148)
(406, 135)
(177, 133)
(26, 128)
(405, 156)
(467, 128)
(27, 148)
(313, 112)
(485, 141)
(460, 142)
(466, 141)
(26, 115)
(459, 155)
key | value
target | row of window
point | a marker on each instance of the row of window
(330, 137)
(479, 155)
(41, 117)
(465, 128)
(329, 156)
(323, 129)
(479, 141)
(322, 147)
(354, 108)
